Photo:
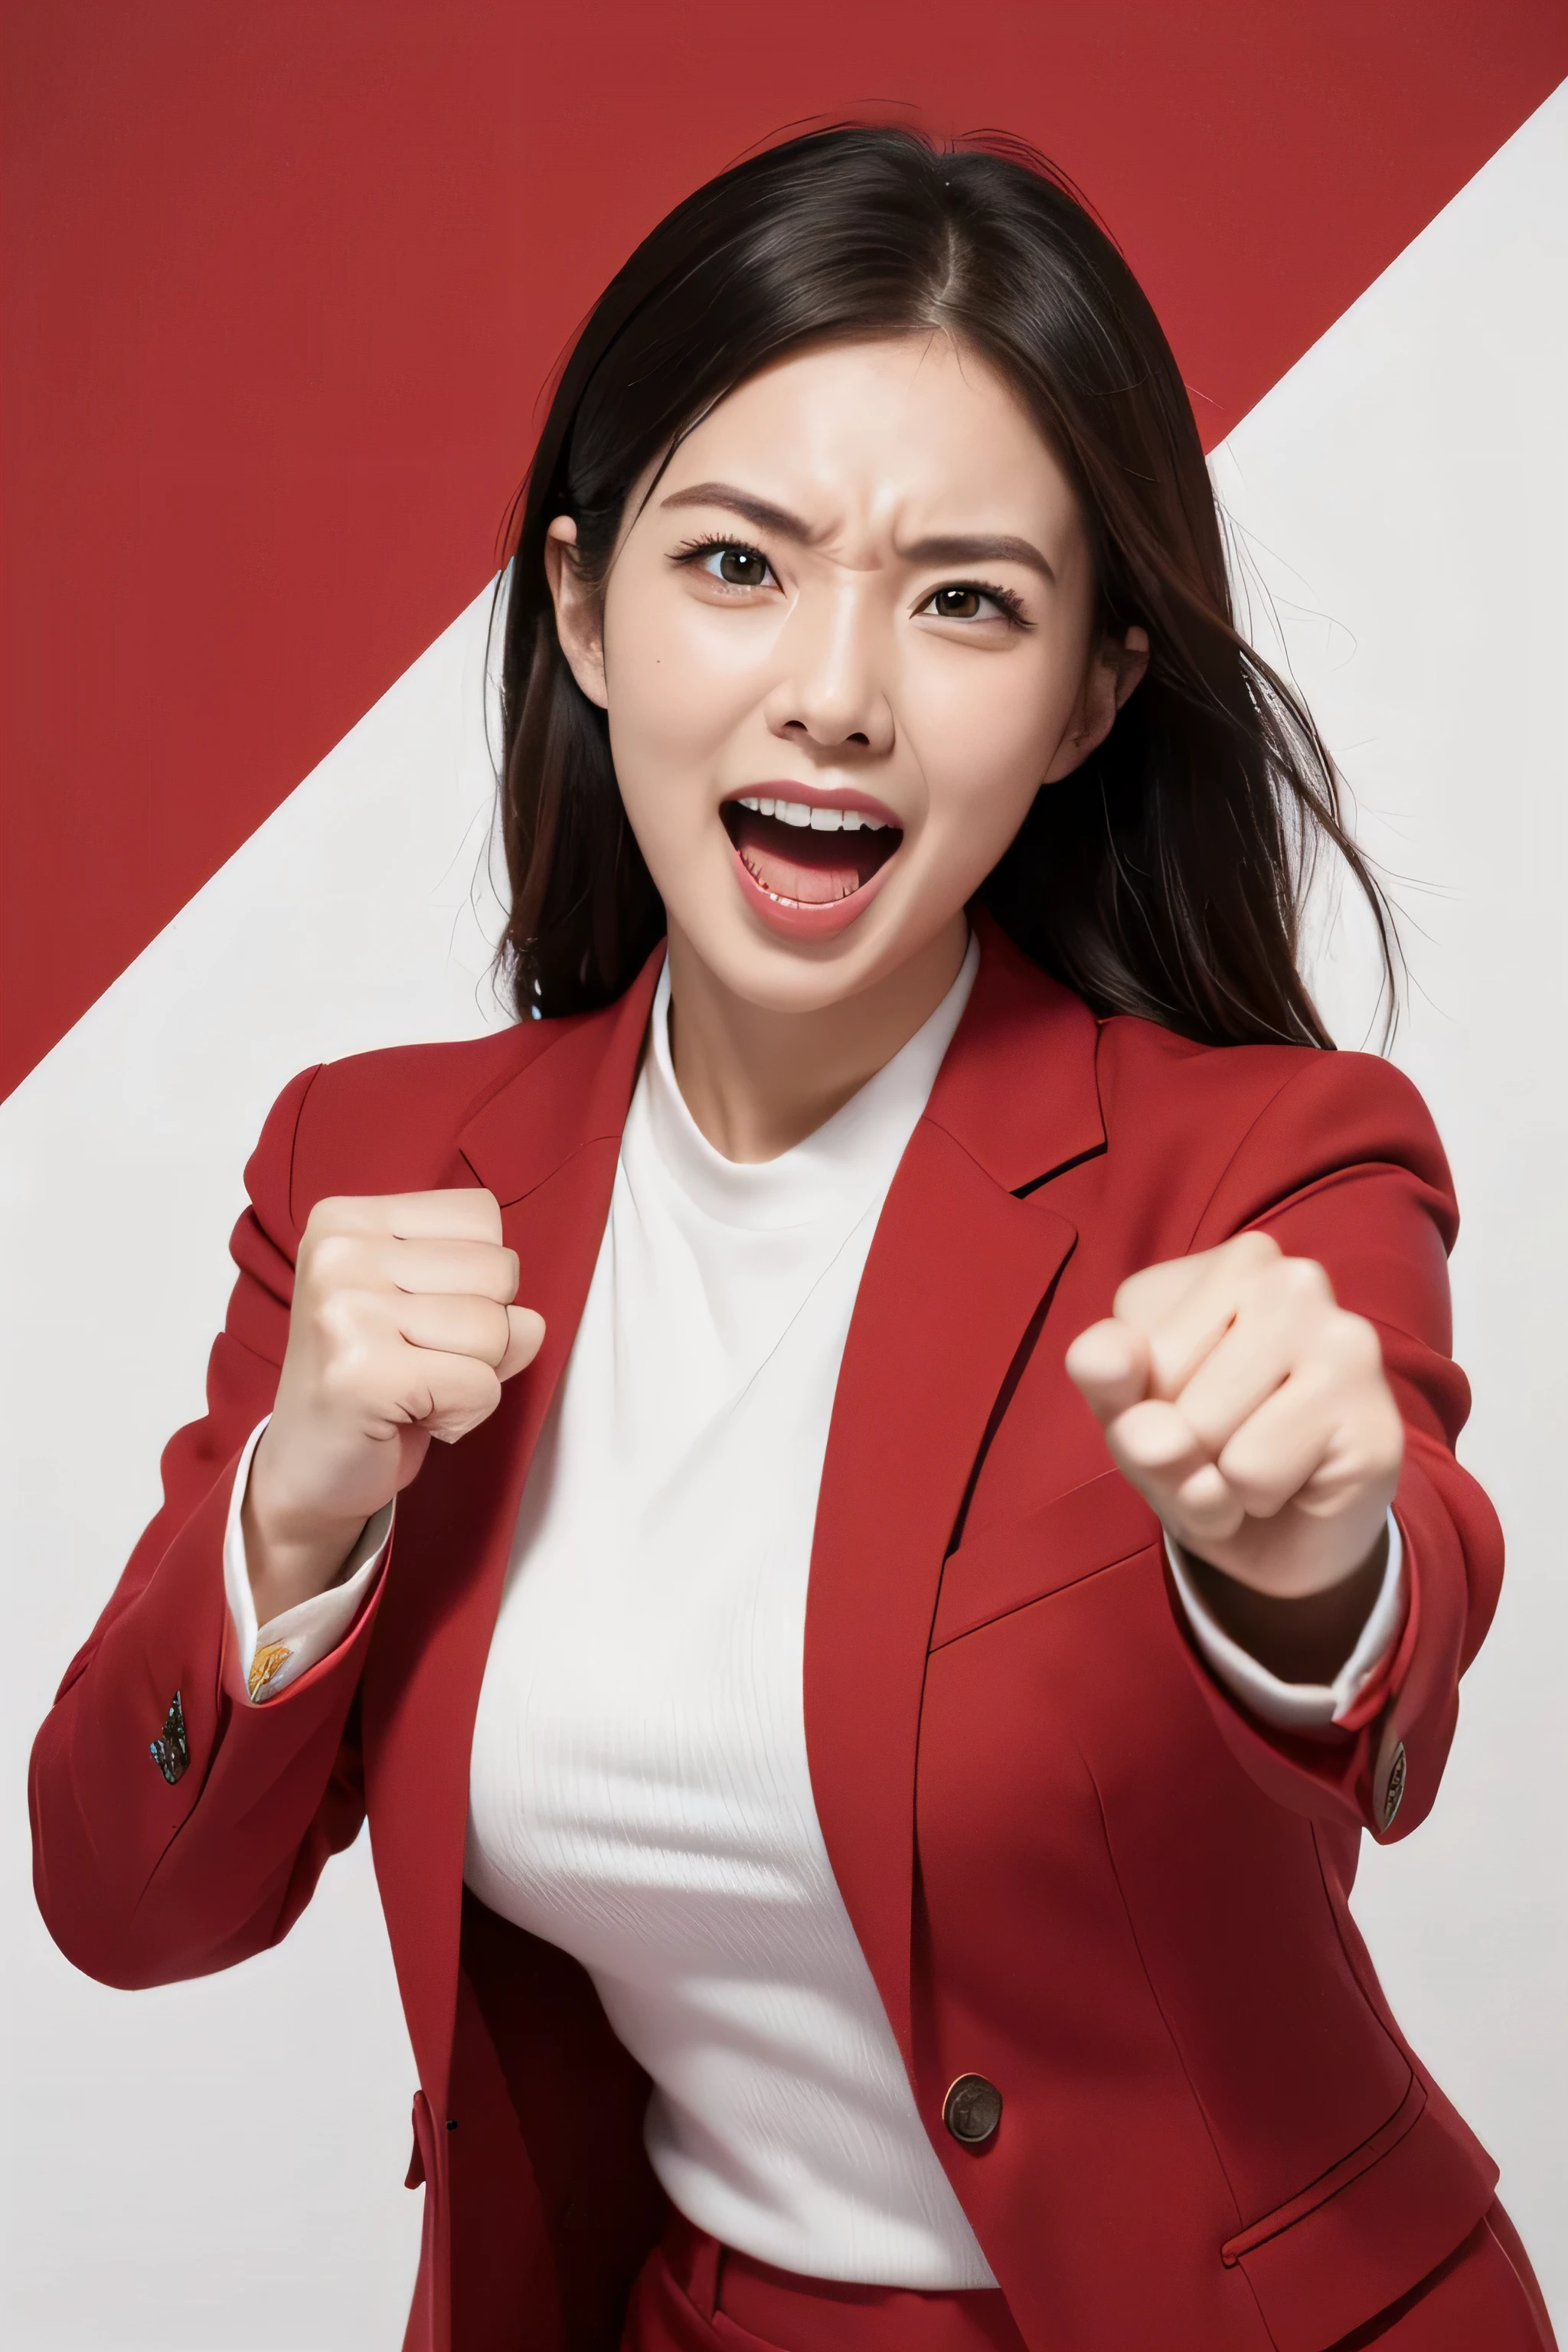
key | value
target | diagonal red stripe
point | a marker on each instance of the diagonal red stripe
(283, 279)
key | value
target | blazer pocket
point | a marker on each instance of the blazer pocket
(1365, 2232)
(1015, 1561)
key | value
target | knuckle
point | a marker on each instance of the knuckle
(1130, 1296)
(331, 1259)
(1257, 1487)
(471, 1213)
(342, 1217)
(338, 1318)
(1360, 1342)
(1301, 1280)
(1353, 1347)
(495, 1276)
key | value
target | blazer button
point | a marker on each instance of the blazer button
(172, 1751)
(972, 2110)
(1396, 1789)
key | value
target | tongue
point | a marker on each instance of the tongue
(800, 863)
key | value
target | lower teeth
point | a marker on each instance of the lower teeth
(780, 900)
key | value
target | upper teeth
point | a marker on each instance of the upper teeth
(821, 820)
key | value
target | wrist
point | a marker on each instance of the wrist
(1302, 1638)
(291, 1556)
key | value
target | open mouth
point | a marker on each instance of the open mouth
(805, 855)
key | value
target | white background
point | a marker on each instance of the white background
(218, 2164)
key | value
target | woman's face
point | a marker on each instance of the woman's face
(841, 646)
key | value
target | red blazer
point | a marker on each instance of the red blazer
(1075, 1864)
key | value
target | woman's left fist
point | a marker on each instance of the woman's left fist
(1250, 1412)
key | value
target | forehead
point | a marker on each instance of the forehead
(892, 428)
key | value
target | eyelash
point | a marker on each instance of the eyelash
(1008, 602)
(1011, 604)
(716, 542)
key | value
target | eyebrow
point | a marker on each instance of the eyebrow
(946, 548)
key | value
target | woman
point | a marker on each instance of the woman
(946, 1531)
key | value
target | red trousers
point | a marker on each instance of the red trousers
(695, 2296)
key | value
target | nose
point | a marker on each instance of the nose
(830, 698)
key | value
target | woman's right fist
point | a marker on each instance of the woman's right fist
(402, 1329)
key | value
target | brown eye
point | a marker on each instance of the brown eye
(973, 600)
(739, 567)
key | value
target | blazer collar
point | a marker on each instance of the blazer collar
(576, 1092)
(1018, 1091)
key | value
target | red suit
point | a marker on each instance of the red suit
(1076, 1869)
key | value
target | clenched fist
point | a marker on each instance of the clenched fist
(402, 1329)
(1250, 1412)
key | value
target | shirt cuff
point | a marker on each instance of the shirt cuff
(1299, 1707)
(271, 1656)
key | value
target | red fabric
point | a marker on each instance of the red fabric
(695, 2296)
(1075, 1866)
(1485, 2294)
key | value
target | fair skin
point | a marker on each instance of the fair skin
(845, 636)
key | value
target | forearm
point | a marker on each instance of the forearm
(290, 1557)
(272, 1647)
(155, 1865)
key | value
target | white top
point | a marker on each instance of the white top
(641, 1793)
(646, 1801)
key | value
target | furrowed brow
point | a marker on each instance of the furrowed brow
(962, 549)
(760, 511)
(950, 548)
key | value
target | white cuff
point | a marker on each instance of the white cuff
(1299, 1707)
(275, 1655)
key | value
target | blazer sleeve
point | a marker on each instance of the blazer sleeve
(142, 1878)
(1343, 1165)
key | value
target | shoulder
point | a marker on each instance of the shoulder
(1248, 1123)
(1146, 1069)
(387, 1121)
(441, 1086)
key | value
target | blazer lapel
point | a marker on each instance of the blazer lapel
(547, 1145)
(958, 1271)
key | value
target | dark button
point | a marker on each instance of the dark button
(1396, 1789)
(171, 1753)
(972, 2110)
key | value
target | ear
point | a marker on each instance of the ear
(579, 613)
(1115, 669)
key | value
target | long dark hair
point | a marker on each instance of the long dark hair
(1163, 877)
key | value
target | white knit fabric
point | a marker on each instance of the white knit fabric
(639, 1791)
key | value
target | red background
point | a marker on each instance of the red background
(283, 283)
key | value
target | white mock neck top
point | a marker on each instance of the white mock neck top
(641, 1793)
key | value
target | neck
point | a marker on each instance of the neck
(758, 1081)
